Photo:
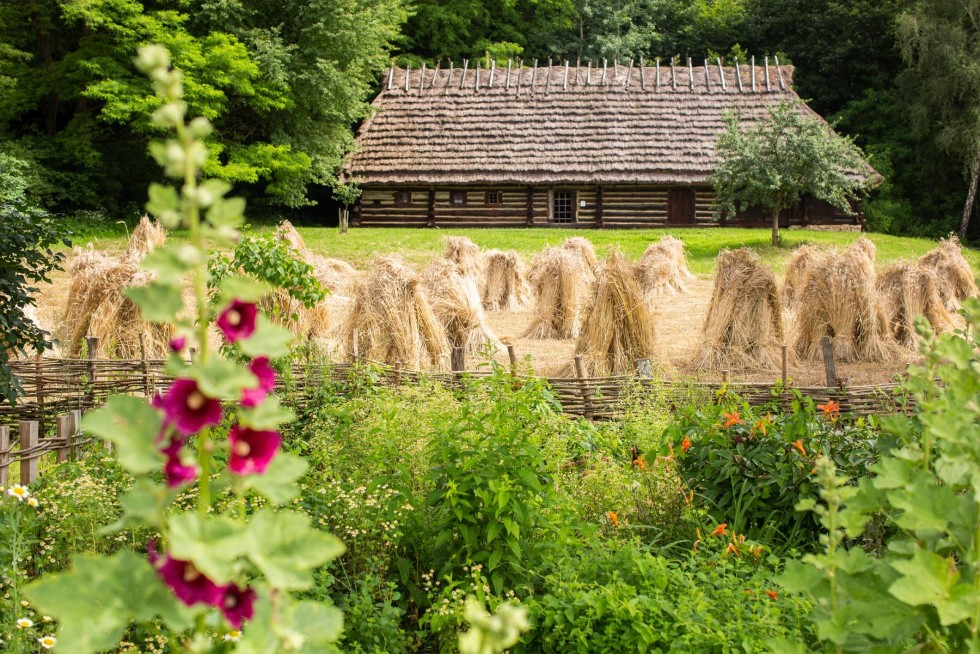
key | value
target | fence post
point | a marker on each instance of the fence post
(64, 431)
(512, 356)
(724, 376)
(4, 458)
(586, 396)
(39, 388)
(28, 440)
(828, 361)
(75, 425)
(644, 368)
(93, 354)
(147, 390)
(457, 360)
(785, 367)
(397, 368)
(354, 347)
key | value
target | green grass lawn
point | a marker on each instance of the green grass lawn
(416, 246)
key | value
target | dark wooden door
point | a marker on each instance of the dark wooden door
(680, 206)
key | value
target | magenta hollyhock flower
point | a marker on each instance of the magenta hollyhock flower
(176, 472)
(251, 450)
(187, 582)
(178, 343)
(267, 381)
(237, 322)
(238, 604)
(187, 408)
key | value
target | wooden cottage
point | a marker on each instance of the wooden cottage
(564, 146)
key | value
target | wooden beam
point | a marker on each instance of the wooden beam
(767, 75)
(4, 458)
(547, 84)
(707, 76)
(605, 65)
(534, 75)
(586, 395)
(753, 73)
(643, 79)
(422, 79)
(658, 73)
(476, 87)
(493, 69)
(507, 82)
(408, 74)
(588, 74)
(779, 72)
(738, 75)
(830, 366)
(673, 75)
(690, 72)
(457, 360)
(629, 75)
(391, 76)
(28, 440)
(721, 74)
(449, 78)
(578, 65)
(462, 80)
(435, 75)
(564, 84)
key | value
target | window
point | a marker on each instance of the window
(494, 197)
(403, 197)
(376, 203)
(564, 207)
(457, 197)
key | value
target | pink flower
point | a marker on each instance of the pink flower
(251, 450)
(238, 604)
(267, 381)
(237, 322)
(187, 582)
(187, 408)
(174, 470)
(178, 343)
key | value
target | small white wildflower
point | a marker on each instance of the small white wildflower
(24, 623)
(20, 492)
(47, 642)
(232, 636)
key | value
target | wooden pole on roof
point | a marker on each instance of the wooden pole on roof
(493, 69)
(779, 72)
(507, 82)
(753, 73)
(391, 76)
(588, 74)
(629, 74)
(449, 78)
(476, 87)
(721, 74)
(564, 84)
(643, 80)
(534, 75)
(462, 80)
(435, 75)
(578, 64)
(673, 75)
(520, 75)
(658, 73)
(690, 72)
(616, 69)
(421, 79)
(408, 73)
(605, 64)
(738, 75)
(547, 84)
(767, 74)
(707, 76)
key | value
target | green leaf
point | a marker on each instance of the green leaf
(242, 288)
(222, 379)
(226, 212)
(141, 505)
(158, 302)
(928, 578)
(133, 425)
(213, 543)
(267, 415)
(163, 203)
(268, 340)
(95, 601)
(171, 263)
(286, 548)
(279, 482)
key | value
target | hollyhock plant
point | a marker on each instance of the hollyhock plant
(176, 472)
(178, 343)
(187, 408)
(251, 450)
(252, 397)
(186, 581)
(237, 322)
(238, 604)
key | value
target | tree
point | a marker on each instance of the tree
(786, 157)
(940, 41)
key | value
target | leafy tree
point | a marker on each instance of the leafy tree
(941, 42)
(789, 155)
(26, 258)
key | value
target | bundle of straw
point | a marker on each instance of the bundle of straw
(146, 236)
(391, 320)
(908, 290)
(838, 299)
(505, 285)
(561, 282)
(663, 268)
(456, 304)
(582, 247)
(955, 277)
(744, 324)
(796, 270)
(286, 232)
(335, 275)
(465, 254)
(618, 328)
(866, 251)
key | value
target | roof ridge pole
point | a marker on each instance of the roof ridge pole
(690, 72)
(629, 75)
(435, 75)
(520, 76)
(721, 74)
(476, 87)
(449, 77)
(408, 73)
(616, 69)
(493, 69)
(462, 80)
(604, 65)
(564, 84)
(391, 76)
(421, 79)
(588, 74)
(658, 73)
(707, 76)
(578, 65)
(547, 84)
(673, 74)
(753, 73)
(534, 75)
(738, 76)
(767, 74)
(643, 81)
(507, 81)
(782, 87)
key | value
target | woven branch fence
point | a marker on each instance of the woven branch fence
(32, 444)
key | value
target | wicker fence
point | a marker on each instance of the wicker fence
(32, 444)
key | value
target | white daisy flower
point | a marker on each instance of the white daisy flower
(47, 642)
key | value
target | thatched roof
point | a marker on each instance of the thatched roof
(559, 124)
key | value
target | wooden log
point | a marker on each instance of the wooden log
(64, 431)
(721, 74)
(586, 395)
(598, 206)
(507, 81)
(725, 376)
(564, 84)
(673, 75)
(827, 344)
(629, 74)
(643, 79)
(408, 74)
(753, 73)
(476, 87)
(493, 69)
(779, 72)
(4, 459)
(605, 65)
(397, 373)
(462, 80)
(449, 77)
(588, 74)
(738, 75)
(512, 356)
(767, 75)
(391, 76)
(547, 83)
(145, 367)
(28, 440)
(534, 75)
(422, 79)
(785, 349)
(39, 387)
(457, 360)
(690, 72)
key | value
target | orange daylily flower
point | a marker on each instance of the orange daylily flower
(640, 462)
(757, 551)
(731, 549)
(720, 530)
(772, 594)
(686, 444)
(732, 419)
(762, 424)
(799, 446)
(613, 518)
(831, 408)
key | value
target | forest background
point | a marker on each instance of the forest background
(286, 82)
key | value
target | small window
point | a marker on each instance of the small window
(376, 203)
(564, 207)
(494, 197)
(403, 197)
(457, 197)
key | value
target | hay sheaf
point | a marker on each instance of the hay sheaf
(618, 328)
(796, 270)
(954, 275)
(908, 290)
(285, 231)
(744, 324)
(146, 236)
(465, 254)
(663, 268)
(457, 305)
(561, 282)
(583, 248)
(838, 299)
(505, 284)
(391, 320)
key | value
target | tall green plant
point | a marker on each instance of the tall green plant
(209, 571)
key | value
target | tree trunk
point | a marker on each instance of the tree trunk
(775, 228)
(970, 196)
